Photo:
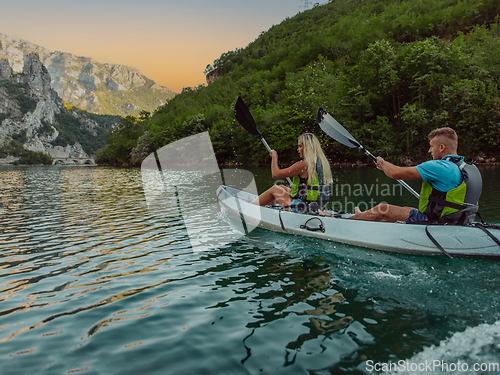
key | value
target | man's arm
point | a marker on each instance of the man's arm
(396, 172)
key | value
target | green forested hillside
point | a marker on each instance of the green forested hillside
(389, 71)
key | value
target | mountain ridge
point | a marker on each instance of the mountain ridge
(36, 123)
(101, 88)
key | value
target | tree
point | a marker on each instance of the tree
(142, 149)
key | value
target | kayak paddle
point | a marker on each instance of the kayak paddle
(331, 127)
(246, 120)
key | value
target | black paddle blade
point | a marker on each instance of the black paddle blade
(245, 118)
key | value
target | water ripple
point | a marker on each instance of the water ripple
(90, 280)
(72, 240)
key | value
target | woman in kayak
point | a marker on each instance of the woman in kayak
(311, 178)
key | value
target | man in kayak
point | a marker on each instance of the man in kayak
(450, 188)
(311, 178)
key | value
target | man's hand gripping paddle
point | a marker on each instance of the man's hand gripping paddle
(331, 127)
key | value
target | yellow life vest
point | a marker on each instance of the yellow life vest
(312, 193)
(457, 206)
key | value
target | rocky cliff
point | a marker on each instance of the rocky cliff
(92, 86)
(33, 114)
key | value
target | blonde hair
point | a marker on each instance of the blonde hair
(312, 152)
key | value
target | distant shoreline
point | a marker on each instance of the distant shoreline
(9, 161)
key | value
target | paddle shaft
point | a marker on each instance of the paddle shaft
(333, 128)
(404, 184)
(267, 146)
(246, 120)
(269, 150)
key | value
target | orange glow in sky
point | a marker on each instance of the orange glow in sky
(170, 42)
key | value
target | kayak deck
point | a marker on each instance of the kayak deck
(462, 241)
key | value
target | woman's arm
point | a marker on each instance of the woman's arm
(297, 169)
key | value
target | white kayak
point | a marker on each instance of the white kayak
(455, 241)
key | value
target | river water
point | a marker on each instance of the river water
(91, 281)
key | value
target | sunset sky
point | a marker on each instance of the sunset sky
(169, 41)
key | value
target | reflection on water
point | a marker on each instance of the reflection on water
(92, 281)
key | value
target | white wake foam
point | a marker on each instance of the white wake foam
(474, 351)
